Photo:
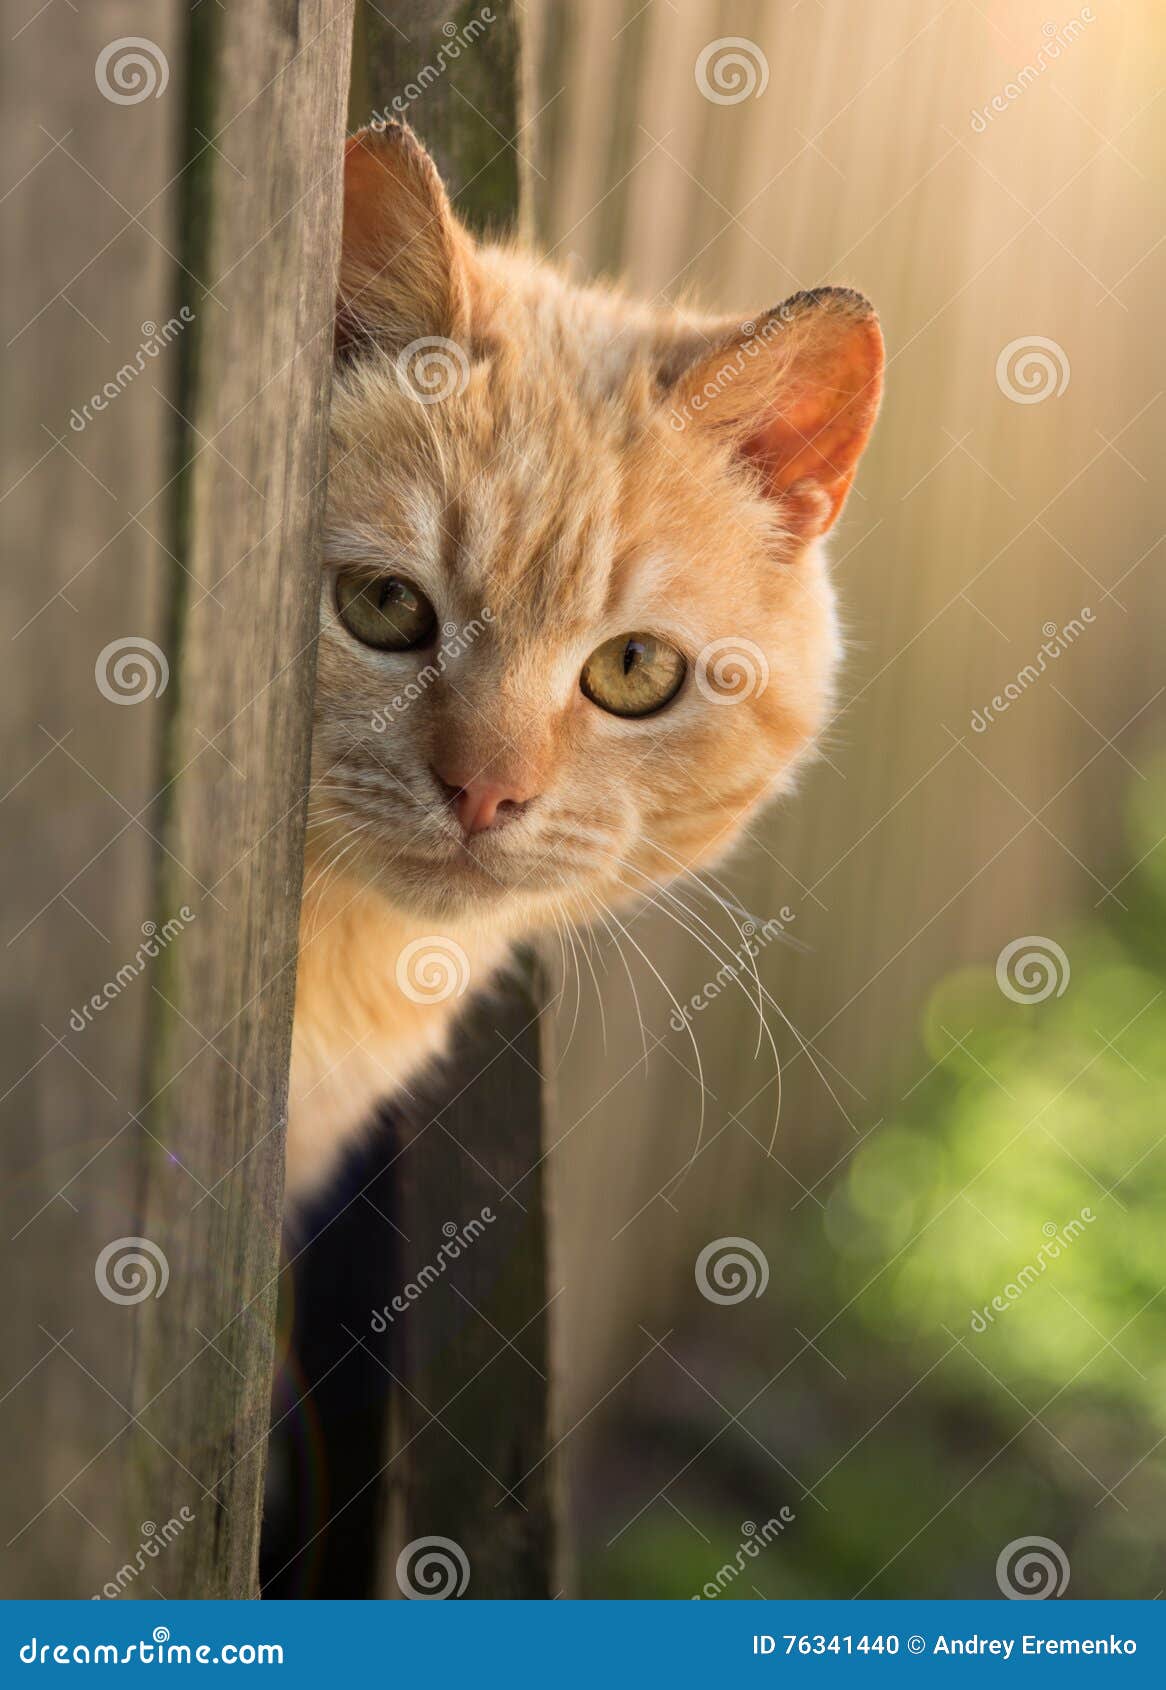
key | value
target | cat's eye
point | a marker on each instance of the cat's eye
(387, 611)
(633, 675)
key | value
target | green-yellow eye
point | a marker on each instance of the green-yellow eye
(633, 675)
(387, 612)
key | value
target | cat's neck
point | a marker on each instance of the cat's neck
(377, 990)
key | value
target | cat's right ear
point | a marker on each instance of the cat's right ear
(404, 257)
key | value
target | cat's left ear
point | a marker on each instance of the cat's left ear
(798, 392)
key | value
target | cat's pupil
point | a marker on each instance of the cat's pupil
(392, 591)
(632, 653)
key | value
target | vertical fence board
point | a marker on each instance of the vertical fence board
(268, 83)
(84, 224)
(453, 73)
(470, 1420)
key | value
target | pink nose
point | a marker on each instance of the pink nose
(480, 804)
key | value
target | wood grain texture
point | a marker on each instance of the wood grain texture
(454, 74)
(81, 570)
(469, 1320)
(261, 219)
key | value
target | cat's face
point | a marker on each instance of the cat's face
(575, 621)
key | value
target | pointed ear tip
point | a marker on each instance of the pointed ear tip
(382, 136)
(832, 301)
(851, 312)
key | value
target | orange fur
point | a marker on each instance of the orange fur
(601, 468)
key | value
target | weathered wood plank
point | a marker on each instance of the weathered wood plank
(268, 84)
(469, 1318)
(454, 74)
(82, 284)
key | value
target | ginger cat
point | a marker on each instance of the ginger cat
(576, 624)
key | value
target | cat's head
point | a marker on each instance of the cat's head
(576, 624)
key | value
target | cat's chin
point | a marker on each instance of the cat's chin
(458, 888)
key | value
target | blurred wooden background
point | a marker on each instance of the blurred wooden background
(914, 845)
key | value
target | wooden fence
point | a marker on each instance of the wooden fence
(181, 191)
